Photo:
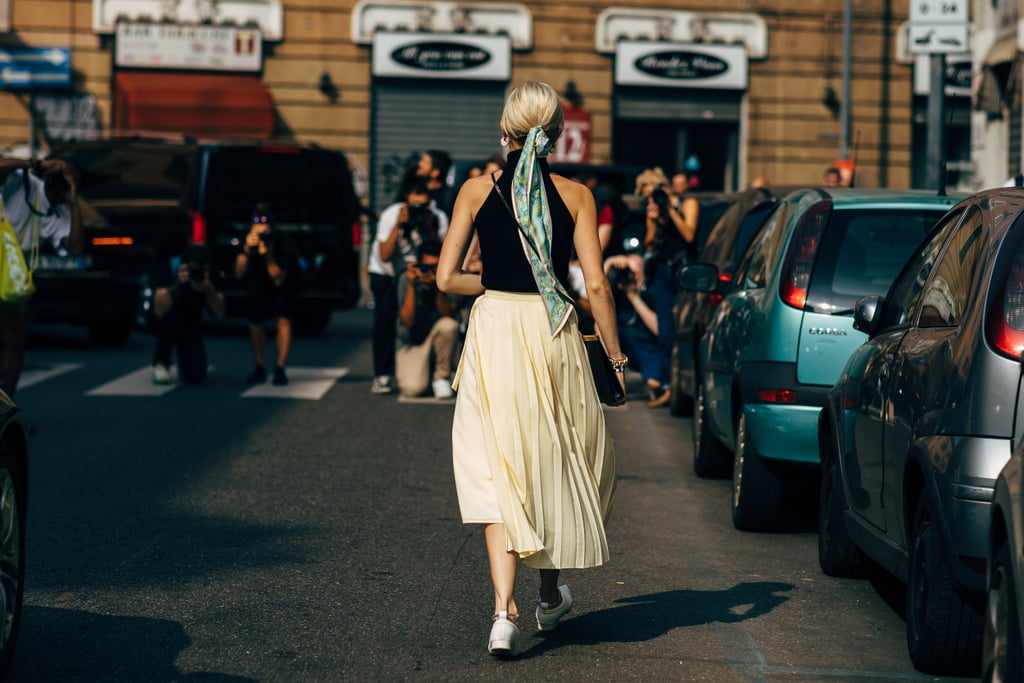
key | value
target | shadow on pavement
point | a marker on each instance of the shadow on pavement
(71, 645)
(646, 617)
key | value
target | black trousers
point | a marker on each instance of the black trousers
(385, 317)
(174, 330)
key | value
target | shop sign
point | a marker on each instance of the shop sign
(573, 145)
(180, 46)
(680, 65)
(425, 55)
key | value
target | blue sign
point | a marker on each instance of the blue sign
(35, 68)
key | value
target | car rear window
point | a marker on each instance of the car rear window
(863, 251)
(305, 187)
(131, 170)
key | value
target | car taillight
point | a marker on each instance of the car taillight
(198, 228)
(1006, 319)
(796, 274)
(112, 241)
(777, 395)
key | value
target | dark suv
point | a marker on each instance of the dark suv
(154, 196)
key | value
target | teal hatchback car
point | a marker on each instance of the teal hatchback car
(779, 340)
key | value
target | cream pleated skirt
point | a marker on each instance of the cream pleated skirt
(529, 442)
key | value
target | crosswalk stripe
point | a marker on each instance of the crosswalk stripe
(303, 383)
(138, 383)
(32, 375)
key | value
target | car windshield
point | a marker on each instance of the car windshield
(305, 187)
(130, 171)
(863, 251)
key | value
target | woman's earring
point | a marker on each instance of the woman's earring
(504, 141)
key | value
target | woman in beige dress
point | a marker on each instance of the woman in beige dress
(533, 461)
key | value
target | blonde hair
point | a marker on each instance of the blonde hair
(529, 105)
(651, 176)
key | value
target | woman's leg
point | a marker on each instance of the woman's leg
(503, 569)
(549, 586)
(284, 340)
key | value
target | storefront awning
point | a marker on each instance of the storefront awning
(1002, 51)
(202, 105)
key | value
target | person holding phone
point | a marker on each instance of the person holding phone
(427, 328)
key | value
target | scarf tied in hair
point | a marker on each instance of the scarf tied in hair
(534, 215)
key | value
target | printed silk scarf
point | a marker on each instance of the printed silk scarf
(534, 215)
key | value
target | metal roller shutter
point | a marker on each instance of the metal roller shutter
(459, 117)
(662, 104)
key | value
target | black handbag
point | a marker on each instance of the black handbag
(606, 379)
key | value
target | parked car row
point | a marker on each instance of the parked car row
(144, 198)
(878, 336)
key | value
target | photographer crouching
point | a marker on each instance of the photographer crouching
(637, 321)
(178, 306)
(428, 331)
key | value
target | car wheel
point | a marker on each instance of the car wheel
(111, 332)
(1002, 656)
(679, 404)
(12, 552)
(837, 553)
(710, 458)
(757, 488)
(944, 631)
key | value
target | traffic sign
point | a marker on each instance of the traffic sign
(938, 26)
(938, 12)
(35, 68)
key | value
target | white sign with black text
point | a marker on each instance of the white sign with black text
(681, 65)
(180, 46)
(442, 55)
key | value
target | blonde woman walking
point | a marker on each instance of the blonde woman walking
(533, 462)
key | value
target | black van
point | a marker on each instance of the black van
(160, 194)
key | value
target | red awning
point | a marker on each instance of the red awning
(201, 105)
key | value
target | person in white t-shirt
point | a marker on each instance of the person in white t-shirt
(399, 233)
(35, 195)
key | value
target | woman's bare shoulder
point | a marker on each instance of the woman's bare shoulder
(572, 191)
(476, 189)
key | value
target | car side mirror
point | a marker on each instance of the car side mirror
(867, 313)
(700, 277)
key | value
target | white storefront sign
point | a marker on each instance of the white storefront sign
(681, 65)
(176, 46)
(442, 55)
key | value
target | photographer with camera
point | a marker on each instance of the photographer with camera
(401, 228)
(670, 240)
(178, 306)
(427, 330)
(269, 267)
(637, 321)
(40, 201)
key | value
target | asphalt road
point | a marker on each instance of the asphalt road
(205, 535)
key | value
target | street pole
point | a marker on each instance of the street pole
(845, 103)
(935, 148)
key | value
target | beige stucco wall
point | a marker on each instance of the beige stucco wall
(792, 136)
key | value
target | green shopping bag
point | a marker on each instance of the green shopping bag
(15, 273)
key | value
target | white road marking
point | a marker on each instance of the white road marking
(138, 383)
(303, 383)
(32, 376)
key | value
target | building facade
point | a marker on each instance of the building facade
(745, 88)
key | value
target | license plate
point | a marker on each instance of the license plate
(55, 262)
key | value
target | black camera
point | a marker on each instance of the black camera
(621, 277)
(660, 199)
(419, 216)
(266, 237)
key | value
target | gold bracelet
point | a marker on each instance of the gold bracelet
(619, 364)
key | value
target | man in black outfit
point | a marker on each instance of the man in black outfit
(178, 305)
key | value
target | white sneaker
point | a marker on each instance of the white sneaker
(442, 388)
(161, 374)
(382, 385)
(547, 616)
(504, 638)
